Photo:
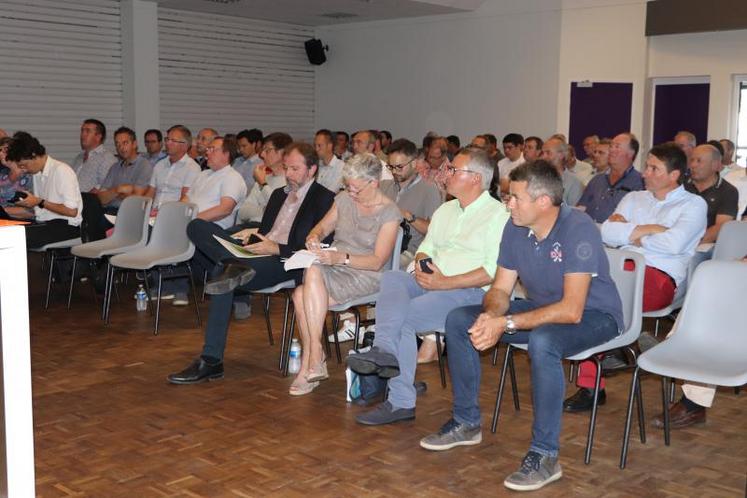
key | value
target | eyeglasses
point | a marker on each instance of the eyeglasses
(173, 140)
(399, 167)
(356, 191)
(451, 170)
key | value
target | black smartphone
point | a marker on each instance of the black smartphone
(17, 196)
(253, 239)
(424, 265)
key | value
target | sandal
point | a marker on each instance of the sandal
(301, 386)
(318, 372)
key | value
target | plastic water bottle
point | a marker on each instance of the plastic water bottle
(141, 299)
(294, 357)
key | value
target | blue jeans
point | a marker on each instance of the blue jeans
(404, 309)
(548, 345)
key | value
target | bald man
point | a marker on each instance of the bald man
(720, 196)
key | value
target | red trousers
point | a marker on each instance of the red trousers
(658, 293)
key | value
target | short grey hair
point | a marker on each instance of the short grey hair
(362, 167)
(479, 162)
(689, 136)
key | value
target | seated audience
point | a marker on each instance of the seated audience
(385, 139)
(268, 176)
(154, 152)
(572, 304)
(291, 213)
(93, 163)
(513, 147)
(738, 178)
(589, 145)
(721, 196)
(365, 224)
(330, 166)
(128, 176)
(604, 192)
(56, 201)
(665, 223)
(493, 152)
(453, 267)
(173, 175)
(12, 180)
(249, 143)
(554, 151)
(532, 148)
(582, 169)
(342, 143)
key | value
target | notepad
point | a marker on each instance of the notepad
(303, 259)
(238, 250)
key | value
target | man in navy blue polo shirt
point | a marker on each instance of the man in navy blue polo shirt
(572, 305)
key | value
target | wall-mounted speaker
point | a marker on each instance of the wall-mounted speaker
(315, 51)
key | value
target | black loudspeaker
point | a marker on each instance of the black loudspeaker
(315, 51)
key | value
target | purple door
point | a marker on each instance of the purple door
(681, 108)
(602, 109)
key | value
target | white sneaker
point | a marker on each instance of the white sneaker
(181, 299)
(346, 332)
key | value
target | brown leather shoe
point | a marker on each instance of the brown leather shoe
(679, 417)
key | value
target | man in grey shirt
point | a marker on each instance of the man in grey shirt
(416, 199)
(555, 151)
(92, 165)
(128, 176)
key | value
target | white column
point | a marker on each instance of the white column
(17, 413)
(140, 100)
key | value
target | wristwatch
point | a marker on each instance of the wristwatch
(41, 204)
(347, 259)
(411, 219)
(510, 325)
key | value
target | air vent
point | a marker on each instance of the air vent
(339, 15)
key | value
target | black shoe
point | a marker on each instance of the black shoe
(384, 414)
(420, 387)
(234, 275)
(198, 371)
(374, 361)
(583, 400)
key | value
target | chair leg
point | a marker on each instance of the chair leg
(737, 390)
(439, 351)
(147, 291)
(158, 302)
(639, 397)
(288, 345)
(194, 294)
(49, 278)
(357, 315)
(572, 371)
(204, 283)
(594, 407)
(72, 281)
(634, 384)
(285, 329)
(656, 327)
(501, 384)
(665, 404)
(335, 326)
(514, 385)
(267, 319)
(110, 270)
(672, 388)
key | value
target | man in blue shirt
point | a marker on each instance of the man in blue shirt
(605, 190)
(572, 305)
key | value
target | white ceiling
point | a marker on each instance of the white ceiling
(322, 12)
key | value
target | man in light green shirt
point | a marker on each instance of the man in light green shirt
(454, 266)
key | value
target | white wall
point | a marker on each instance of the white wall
(492, 70)
(718, 55)
(603, 41)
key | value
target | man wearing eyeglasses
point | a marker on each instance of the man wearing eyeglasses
(173, 175)
(454, 265)
(416, 199)
(605, 191)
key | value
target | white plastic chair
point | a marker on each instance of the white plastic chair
(130, 232)
(168, 246)
(286, 287)
(732, 241)
(708, 343)
(630, 287)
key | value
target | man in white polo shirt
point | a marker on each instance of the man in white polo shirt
(174, 175)
(56, 201)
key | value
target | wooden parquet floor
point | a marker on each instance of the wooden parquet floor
(107, 424)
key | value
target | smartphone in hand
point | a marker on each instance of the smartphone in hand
(253, 239)
(424, 265)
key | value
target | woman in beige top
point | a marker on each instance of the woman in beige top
(365, 224)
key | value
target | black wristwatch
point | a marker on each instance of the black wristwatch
(411, 219)
(41, 204)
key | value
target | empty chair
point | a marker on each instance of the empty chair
(732, 241)
(130, 232)
(630, 287)
(168, 246)
(708, 343)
